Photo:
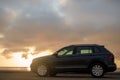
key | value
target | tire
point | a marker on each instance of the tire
(97, 70)
(42, 70)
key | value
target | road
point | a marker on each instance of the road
(26, 75)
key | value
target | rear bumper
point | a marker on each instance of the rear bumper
(111, 68)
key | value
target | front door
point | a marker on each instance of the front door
(65, 58)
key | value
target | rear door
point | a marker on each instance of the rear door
(85, 55)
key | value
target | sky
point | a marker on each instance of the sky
(31, 28)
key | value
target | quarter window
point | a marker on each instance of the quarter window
(96, 50)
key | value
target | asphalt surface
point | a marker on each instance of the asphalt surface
(26, 75)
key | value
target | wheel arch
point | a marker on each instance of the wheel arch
(97, 62)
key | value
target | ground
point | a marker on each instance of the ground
(26, 75)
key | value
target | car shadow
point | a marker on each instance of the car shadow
(107, 76)
(87, 77)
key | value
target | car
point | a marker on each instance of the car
(89, 58)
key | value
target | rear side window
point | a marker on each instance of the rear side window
(103, 49)
(85, 50)
(96, 50)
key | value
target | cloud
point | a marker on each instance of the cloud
(47, 24)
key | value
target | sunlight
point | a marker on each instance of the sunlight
(21, 61)
(44, 53)
(25, 62)
(117, 62)
(2, 36)
(2, 50)
(63, 2)
(31, 50)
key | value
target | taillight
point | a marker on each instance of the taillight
(110, 56)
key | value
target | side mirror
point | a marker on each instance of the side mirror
(55, 54)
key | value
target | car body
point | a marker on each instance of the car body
(91, 58)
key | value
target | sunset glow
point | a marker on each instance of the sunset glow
(18, 60)
(34, 28)
(22, 62)
(1, 36)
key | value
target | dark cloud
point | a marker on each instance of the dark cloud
(3, 20)
(48, 24)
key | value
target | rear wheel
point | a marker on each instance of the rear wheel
(97, 70)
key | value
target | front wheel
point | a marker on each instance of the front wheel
(97, 70)
(42, 70)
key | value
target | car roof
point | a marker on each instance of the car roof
(84, 45)
(87, 45)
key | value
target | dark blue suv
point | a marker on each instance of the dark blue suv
(91, 58)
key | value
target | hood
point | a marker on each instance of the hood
(43, 58)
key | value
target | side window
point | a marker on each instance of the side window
(66, 51)
(85, 50)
